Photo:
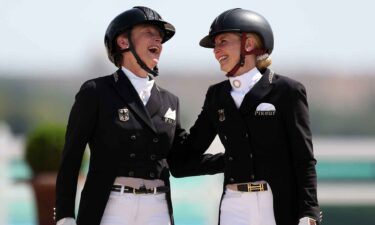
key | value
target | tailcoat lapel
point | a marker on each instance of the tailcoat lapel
(128, 93)
(154, 102)
(257, 93)
(232, 113)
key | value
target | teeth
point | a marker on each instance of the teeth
(153, 49)
(222, 58)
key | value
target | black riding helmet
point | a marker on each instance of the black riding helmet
(124, 22)
(241, 21)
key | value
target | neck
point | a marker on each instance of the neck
(249, 65)
(130, 63)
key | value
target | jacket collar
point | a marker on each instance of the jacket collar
(128, 93)
(258, 92)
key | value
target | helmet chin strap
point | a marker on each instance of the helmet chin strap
(154, 72)
(243, 53)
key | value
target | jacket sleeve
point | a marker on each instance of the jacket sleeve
(187, 156)
(300, 139)
(80, 127)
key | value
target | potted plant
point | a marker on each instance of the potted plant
(43, 152)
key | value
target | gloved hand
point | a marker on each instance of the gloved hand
(66, 221)
(307, 221)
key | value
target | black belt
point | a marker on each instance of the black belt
(141, 190)
(252, 187)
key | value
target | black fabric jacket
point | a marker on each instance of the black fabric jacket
(125, 138)
(274, 145)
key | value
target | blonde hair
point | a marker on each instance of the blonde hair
(262, 61)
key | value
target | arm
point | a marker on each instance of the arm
(187, 157)
(300, 139)
(80, 127)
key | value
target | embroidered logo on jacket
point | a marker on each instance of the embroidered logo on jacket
(221, 115)
(123, 114)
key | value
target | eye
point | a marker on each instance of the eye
(221, 42)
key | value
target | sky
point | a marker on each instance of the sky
(58, 36)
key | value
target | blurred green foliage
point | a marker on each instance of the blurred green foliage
(44, 147)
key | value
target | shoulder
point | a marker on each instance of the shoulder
(97, 82)
(90, 88)
(165, 93)
(216, 88)
(287, 83)
(291, 88)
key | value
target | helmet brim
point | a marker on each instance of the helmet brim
(207, 42)
(167, 28)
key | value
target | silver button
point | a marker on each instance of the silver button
(152, 175)
(246, 135)
(155, 140)
(230, 158)
(131, 173)
(152, 157)
(225, 137)
(132, 155)
(252, 176)
(231, 180)
(251, 155)
(133, 137)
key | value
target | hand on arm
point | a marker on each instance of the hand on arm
(66, 221)
(187, 156)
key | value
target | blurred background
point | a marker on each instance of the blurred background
(49, 48)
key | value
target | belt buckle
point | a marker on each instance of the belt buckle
(141, 190)
(255, 187)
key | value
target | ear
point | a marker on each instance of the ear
(122, 41)
(249, 44)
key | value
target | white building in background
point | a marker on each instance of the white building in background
(11, 147)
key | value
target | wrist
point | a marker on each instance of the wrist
(307, 221)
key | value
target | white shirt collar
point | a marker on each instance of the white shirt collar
(246, 81)
(142, 85)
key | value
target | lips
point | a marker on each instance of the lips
(224, 57)
(154, 49)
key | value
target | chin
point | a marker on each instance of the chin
(224, 69)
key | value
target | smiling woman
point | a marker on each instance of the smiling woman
(147, 40)
(130, 124)
(262, 120)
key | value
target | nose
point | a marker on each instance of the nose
(157, 37)
(216, 50)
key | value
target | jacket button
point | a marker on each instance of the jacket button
(251, 155)
(131, 173)
(152, 157)
(225, 137)
(252, 176)
(132, 155)
(155, 140)
(133, 137)
(152, 175)
(246, 135)
(230, 158)
(231, 180)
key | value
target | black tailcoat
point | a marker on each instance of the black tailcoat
(275, 146)
(125, 138)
